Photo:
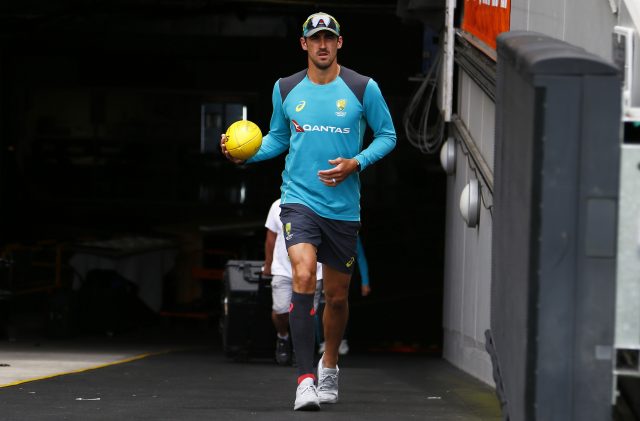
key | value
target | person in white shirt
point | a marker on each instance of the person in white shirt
(278, 266)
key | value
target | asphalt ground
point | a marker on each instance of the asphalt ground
(197, 382)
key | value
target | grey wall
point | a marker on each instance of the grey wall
(585, 23)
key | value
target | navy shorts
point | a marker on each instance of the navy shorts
(335, 240)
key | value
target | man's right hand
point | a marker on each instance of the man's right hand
(225, 152)
(266, 270)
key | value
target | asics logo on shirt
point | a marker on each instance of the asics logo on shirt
(300, 106)
(315, 128)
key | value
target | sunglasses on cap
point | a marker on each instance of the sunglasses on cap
(320, 22)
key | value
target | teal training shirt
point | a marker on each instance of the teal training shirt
(316, 123)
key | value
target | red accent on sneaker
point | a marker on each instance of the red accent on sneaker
(290, 307)
(306, 376)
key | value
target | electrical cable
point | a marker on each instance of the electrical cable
(427, 140)
(481, 182)
(421, 136)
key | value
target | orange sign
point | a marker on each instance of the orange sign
(485, 19)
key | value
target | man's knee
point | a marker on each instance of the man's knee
(304, 280)
(337, 301)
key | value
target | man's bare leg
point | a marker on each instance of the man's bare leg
(336, 312)
(281, 323)
(303, 264)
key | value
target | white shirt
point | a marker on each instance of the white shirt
(281, 264)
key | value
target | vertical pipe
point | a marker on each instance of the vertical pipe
(447, 63)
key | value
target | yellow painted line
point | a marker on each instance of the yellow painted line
(81, 370)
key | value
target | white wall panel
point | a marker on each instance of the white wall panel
(485, 229)
(519, 15)
(466, 312)
(470, 276)
(476, 111)
(488, 134)
(450, 258)
(589, 24)
(456, 275)
(547, 17)
(463, 96)
(586, 23)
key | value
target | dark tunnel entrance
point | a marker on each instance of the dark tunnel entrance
(107, 123)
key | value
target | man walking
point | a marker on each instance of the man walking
(319, 117)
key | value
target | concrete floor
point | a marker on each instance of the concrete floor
(144, 377)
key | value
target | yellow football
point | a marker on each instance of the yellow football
(243, 139)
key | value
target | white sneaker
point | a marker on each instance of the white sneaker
(343, 349)
(321, 348)
(327, 383)
(306, 396)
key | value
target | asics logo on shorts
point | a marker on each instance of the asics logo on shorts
(350, 262)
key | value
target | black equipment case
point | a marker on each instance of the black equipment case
(247, 329)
